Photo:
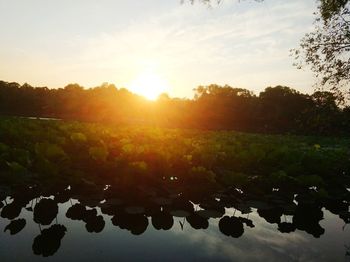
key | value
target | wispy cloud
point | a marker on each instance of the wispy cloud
(243, 45)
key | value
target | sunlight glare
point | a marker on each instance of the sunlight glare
(149, 84)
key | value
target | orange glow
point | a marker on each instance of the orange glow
(149, 84)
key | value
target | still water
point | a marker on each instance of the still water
(83, 229)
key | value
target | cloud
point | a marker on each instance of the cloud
(263, 242)
(243, 44)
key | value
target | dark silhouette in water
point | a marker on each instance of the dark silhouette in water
(197, 222)
(49, 241)
(76, 212)
(246, 221)
(132, 212)
(11, 211)
(162, 220)
(45, 211)
(136, 224)
(285, 227)
(231, 226)
(271, 215)
(94, 223)
(15, 226)
(307, 218)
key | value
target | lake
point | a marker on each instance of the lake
(66, 225)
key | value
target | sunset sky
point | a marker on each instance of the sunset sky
(246, 44)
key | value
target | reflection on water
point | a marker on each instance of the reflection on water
(92, 222)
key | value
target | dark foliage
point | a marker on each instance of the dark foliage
(15, 226)
(277, 109)
(49, 241)
(326, 49)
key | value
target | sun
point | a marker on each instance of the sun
(149, 85)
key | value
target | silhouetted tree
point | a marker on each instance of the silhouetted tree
(326, 48)
(277, 109)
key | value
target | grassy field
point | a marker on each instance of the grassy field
(47, 152)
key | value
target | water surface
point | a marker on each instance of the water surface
(127, 232)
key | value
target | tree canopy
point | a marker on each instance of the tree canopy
(278, 109)
(326, 50)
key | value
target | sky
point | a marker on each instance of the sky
(240, 43)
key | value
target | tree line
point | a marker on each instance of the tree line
(278, 109)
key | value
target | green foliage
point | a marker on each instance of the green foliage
(49, 151)
(201, 174)
(98, 153)
(329, 8)
(78, 137)
(54, 150)
(310, 181)
(3, 148)
(326, 49)
(16, 168)
(238, 180)
(45, 168)
(140, 165)
(280, 179)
